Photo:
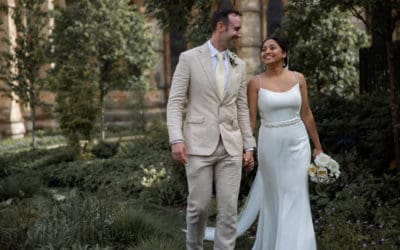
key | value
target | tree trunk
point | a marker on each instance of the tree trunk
(394, 96)
(33, 120)
(102, 132)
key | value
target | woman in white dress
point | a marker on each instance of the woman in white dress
(287, 123)
(279, 193)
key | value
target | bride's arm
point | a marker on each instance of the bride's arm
(252, 100)
(307, 116)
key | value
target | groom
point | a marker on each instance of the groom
(216, 139)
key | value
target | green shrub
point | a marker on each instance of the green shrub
(35, 159)
(105, 150)
(161, 243)
(168, 189)
(107, 177)
(21, 185)
(129, 227)
(12, 162)
(54, 157)
(365, 210)
(323, 45)
(362, 123)
(81, 219)
(153, 151)
(14, 225)
(153, 146)
(82, 222)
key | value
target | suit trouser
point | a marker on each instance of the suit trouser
(226, 170)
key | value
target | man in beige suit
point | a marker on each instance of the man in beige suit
(216, 139)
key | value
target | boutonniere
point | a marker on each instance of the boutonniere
(233, 59)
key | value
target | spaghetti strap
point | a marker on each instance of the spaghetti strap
(295, 75)
(259, 81)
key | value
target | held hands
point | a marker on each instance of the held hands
(248, 161)
(179, 152)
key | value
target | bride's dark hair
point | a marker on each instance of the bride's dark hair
(281, 44)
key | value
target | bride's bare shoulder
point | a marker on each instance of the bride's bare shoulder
(299, 77)
(255, 81)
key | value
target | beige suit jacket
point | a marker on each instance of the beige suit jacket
(207, 116)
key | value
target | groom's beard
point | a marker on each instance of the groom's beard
(233, 42)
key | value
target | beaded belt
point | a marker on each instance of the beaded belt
(281, 124)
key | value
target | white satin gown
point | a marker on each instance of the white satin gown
(279, 193)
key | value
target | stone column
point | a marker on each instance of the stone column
(252, 35)
(11, 120)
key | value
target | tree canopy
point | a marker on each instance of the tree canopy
(324, 46)
(98, 45)
(22, 65)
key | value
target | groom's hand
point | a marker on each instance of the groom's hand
(179, 152)
(248, 160)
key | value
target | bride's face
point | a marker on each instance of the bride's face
(272, 53)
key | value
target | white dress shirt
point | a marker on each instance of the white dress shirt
(213, 54)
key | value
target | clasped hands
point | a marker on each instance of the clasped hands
(179, 156)
(248, 160)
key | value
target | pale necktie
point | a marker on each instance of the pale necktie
(220, 74)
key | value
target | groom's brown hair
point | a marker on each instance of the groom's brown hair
(222, 15)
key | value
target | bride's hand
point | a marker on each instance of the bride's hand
(316, 152)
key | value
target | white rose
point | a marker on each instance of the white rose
(314, 178)
(312, 170)
(322, 160)
(337, 174)
(322, 172)
(334, 166)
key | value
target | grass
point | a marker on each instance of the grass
(22, 144)
(85, 220)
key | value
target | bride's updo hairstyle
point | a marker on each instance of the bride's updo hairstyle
(281, 44)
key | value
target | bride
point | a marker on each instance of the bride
(279, 193)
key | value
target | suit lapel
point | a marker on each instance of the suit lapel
(205, 61)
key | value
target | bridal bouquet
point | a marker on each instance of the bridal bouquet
(324, 169)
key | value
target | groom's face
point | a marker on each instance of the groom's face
(232, 30)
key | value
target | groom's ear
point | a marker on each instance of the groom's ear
(221, 26)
